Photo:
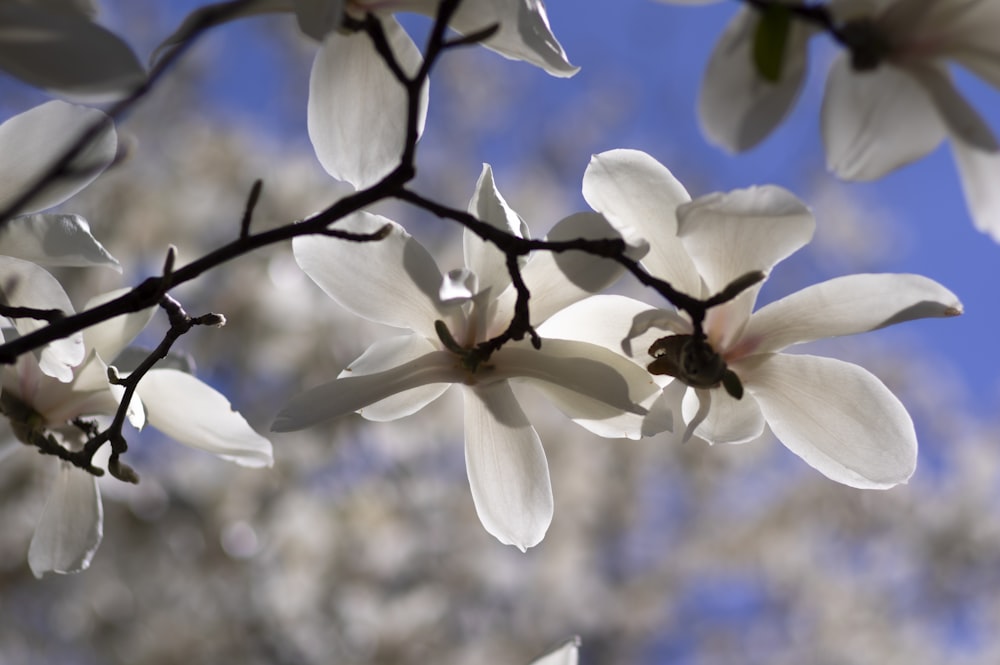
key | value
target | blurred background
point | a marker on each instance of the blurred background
(361, 545)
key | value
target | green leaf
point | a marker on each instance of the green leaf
(770, 41)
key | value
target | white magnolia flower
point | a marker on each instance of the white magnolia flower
(889, 101)
(357, 108)
(836, 416)
(29, 143)
(395, 281)
(55, 45)
(70, 528)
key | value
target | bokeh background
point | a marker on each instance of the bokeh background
(362, 546)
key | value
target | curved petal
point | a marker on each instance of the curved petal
(738, 109)
(730, 234)
(54, 240)
(608, 321)
(639, 197)
(728, 420)
(354, 393)
(846, 306)
(71, 526)
(590, 371)
(394, 281)
(559, 279)
(482, 257)
(875, 122)
(357, 107)
(23, 284)
(385, 355)
(980, 172)
(32, 141)
(508, 474)
(66, 53)
(524, 32)
(838, 417)
(197, 415)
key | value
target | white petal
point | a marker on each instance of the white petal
(508, 474)
(109, 338)
(738, 108)
(524, 32)
(980, 172)
(32, 141)
(559, 279)
(639, 197)
(352, 393)
(963, 121)
(66, 53)
(195, 414)
(70, 528)
(728, 420)
(54, 240)
(730, 234)
(23, 284)
(838, 417)
(394, 281)
(875, 122)
(567, 654)
(357, 107)
(482, 257)
(385, 355)
(318, 17)
(608, 321)
(846, 306)
(595, 374)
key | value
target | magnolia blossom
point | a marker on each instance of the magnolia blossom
(567, 654)
(55, 45)
(395, 281)
(889, 98)
(357, 108)
(725, 386)
(37, 405)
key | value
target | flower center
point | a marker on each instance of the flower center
(867, 44)
(692, 359)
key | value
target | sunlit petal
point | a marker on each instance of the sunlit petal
(385, 355)
(728, 420)
(846, 306)
(639, 197)
(980, 173)
(197, 415)
(838, 417)
(394, 281)
(481, 256)
(354, 393)
(70, 528)
(508, 473)
(875, 122)
(357, 107)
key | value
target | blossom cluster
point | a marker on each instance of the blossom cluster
(698, 360)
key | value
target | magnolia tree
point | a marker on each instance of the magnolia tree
(677, 351)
